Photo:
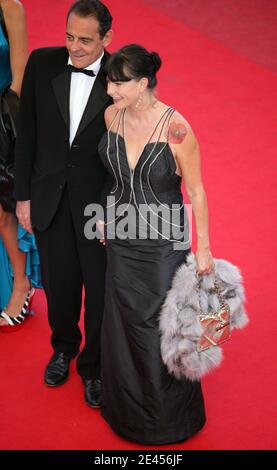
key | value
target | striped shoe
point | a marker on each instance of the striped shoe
(18, 320)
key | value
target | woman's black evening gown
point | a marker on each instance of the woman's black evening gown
(140, 400)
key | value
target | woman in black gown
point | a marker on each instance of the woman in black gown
(147, 149)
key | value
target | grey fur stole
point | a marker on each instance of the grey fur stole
(180, 328)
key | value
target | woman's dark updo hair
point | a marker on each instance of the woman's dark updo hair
(133, 62)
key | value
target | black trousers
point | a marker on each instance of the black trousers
(67, 266)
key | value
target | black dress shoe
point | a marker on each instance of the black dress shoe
(92, 392)
(57, 370)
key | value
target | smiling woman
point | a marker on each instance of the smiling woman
(148, 149)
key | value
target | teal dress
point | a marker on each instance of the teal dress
(26, 241)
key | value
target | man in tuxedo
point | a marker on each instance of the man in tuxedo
(58, 173)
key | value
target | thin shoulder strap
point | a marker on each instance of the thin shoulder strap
(161, 120)
(165, 125)
(113, 120)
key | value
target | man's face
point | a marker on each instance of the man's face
(83, 41)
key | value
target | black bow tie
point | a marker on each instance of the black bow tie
(85, 71)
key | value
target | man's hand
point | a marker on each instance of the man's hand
(23, 213)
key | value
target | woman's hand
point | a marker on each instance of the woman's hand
(204, 261)
(100, 226)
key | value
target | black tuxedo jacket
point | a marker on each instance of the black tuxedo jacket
(45, 162)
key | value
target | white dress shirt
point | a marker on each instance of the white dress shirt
(80, 89)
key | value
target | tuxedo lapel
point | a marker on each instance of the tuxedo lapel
(97, 100)
(61, 86)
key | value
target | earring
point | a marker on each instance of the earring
(138, 103)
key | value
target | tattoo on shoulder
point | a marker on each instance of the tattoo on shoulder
(176, 132)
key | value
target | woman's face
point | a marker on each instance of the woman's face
(124, 94)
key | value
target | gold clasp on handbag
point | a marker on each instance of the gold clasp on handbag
(216, 324)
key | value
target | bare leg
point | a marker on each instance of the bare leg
(21, 286)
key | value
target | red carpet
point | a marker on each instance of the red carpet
(227, 89)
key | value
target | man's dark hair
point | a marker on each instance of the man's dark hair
(95, 8)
